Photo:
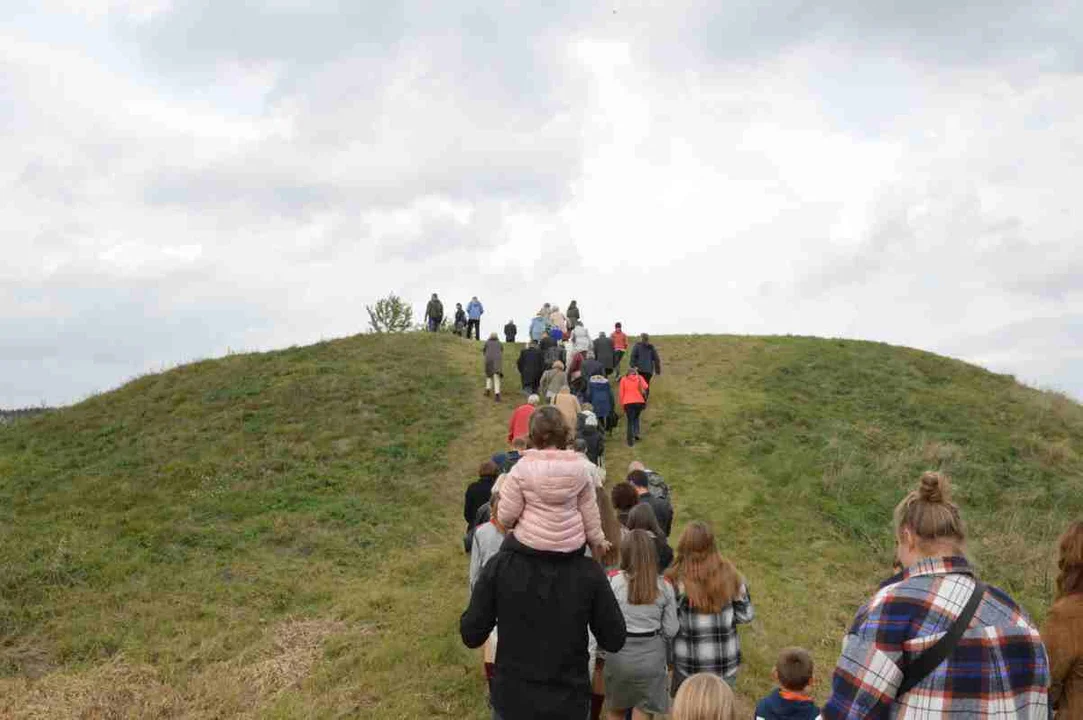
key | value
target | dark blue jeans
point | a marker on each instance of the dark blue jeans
(632, 411)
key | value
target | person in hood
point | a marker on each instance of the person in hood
(493, 351)
(791, 700)
(573, 314)
(603, 353)
(600, 397)
(510, 331)
(645, 358)
(537, 328)
(434, 313)
(460, 319)
(531, 365)
(474, 311)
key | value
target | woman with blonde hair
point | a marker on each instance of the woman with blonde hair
(1063, 630)
(704, 697)
(712, 600)
(934, 639)
(635, 677)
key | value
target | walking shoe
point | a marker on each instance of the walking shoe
(497, 398)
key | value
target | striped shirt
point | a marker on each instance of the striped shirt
(998, 670)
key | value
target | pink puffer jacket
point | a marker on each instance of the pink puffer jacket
(548, 497)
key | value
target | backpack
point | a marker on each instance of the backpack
(656, 486)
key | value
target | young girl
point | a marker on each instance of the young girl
(704, 697)
(712, 599)
(635, 677)
(548, 498)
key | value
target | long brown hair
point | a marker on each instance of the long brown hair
(639, 561)
(610, 527)
(710, 580)
(1070, 561)
(642, 517)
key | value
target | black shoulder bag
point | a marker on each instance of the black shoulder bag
(929, 660)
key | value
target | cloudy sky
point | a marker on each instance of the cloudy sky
(182, 178)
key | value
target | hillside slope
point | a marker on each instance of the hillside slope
(277, 535)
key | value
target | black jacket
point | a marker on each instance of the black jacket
(645, 357)
(544, 602)
(531, 365)
(603, 351)
(590, 368)
(477, 494)
(663, 511)
(509, 332)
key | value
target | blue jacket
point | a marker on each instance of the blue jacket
(600, 396)
(775, 707)
(474, 310)
(537, 328)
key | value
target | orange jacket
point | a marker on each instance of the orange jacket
(633, 389)
(620, 340)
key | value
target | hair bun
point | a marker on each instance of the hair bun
(934, 488)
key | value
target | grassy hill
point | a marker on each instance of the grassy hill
(277, 535)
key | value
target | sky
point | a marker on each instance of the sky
(186, 179)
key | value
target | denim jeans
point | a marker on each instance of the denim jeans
(632, 412)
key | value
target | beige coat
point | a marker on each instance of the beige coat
(568, 405)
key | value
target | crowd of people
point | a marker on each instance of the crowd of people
(581, 604)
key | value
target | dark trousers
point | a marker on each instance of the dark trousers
(474, 325)
(646, 376)
(434, 324)
(632, 411)
(618, 356)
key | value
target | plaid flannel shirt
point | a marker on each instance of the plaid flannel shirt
(708, 642)
(999, 668)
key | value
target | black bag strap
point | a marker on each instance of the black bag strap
(930, 660)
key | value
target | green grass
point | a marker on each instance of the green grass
(277, 535)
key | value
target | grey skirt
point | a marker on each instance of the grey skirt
(635, 677)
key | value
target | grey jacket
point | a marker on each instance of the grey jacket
(494, 357)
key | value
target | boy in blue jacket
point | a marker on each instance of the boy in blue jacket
(791, 700)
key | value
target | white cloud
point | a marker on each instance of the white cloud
(786, 174)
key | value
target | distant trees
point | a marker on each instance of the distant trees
(390, 315)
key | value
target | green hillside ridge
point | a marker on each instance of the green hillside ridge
(278, 534)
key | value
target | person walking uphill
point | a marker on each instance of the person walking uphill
(434, 314)
(493, 351)
(510, 331)
(537, 328)
(935, 641)
(531, 365)
(620, 346)
(645, 358)
(603, 353)
(633, 398)
(541, 589)
(573, 314)
(474, 311)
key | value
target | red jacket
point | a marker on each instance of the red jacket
(519, 425)
(633, 389)
(620, 340)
